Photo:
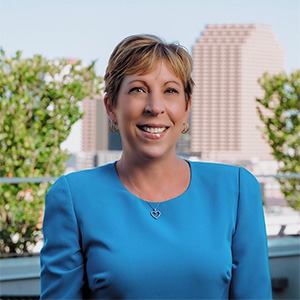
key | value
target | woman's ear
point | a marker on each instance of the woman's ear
(110, 108)
(188, 106)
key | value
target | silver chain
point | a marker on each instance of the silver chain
(155, 213)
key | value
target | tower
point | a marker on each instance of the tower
(95, 125)
(228, 61)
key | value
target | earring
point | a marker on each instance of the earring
(185, 128)
(113, 126)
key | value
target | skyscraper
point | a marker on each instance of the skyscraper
(228, 61)
(95, 125)
(96, 136)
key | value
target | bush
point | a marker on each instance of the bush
(39, 104)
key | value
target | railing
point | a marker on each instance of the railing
(26, 180)
(291, 175)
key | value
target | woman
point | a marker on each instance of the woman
(153, 225)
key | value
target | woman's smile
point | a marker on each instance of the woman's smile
(152, 129)
(153, 132)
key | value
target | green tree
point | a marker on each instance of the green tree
(279, 110)
(39, 103)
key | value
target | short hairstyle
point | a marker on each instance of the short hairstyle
(138, 54)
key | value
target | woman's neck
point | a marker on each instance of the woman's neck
(154, 181)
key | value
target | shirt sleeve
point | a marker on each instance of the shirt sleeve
(250, 275)
(62, 262)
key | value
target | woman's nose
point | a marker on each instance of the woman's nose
(155, 105)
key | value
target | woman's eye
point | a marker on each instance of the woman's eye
(137, 89)
(171, 91)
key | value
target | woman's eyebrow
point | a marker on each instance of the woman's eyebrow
(138, 80)
(173, 81)
(145, 83)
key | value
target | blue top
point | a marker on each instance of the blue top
(102, 243)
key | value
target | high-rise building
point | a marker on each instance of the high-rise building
(228, 61)
(95, 125)
(97, 140)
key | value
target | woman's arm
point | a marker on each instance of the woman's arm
(62, 263)
(251, 276)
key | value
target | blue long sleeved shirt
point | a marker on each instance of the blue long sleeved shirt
(102, 243)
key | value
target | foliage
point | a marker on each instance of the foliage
(280, 112)
(39, 103)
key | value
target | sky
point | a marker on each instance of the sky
(89, 29)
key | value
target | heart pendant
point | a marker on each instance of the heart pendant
(155, 214)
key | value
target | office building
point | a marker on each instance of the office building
(95, 125)
(228, 61)
(97, 140)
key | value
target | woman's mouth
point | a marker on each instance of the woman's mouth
(153, 132)
(152, 129)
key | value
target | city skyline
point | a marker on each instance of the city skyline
(89, 30)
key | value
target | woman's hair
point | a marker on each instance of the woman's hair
(139, 54)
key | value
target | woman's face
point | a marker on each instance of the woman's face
(150, 111)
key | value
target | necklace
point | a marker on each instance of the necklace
(155, 213)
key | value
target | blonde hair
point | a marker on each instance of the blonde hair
(139, 54)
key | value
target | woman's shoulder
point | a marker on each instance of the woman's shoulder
(97, 173)
(88, 177)
(221, 170)
(213, 167)
(90, 184)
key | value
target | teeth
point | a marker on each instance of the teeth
(154, 129)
